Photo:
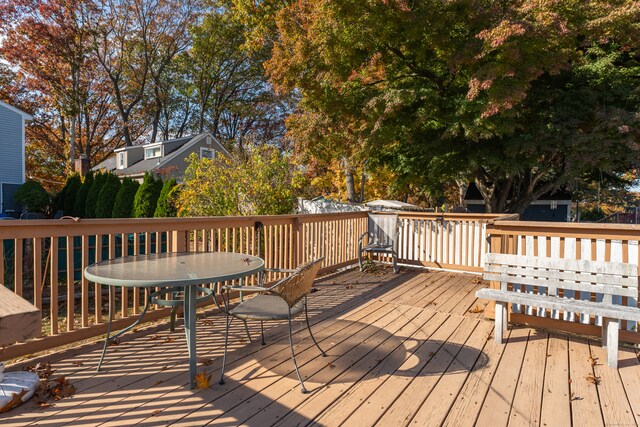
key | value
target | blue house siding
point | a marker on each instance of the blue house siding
(12, 174)
(11, 137)
(537, 212)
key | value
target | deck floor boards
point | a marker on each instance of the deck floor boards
(406, 349)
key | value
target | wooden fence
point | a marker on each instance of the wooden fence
(601, 242)
(43, 260)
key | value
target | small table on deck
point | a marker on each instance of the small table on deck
(183, 271)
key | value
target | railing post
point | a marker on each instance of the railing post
(298, 244)
(179, 240)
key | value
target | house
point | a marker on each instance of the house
(165, 158)
(12, 142)
(554, 206)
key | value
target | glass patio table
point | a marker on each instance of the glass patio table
(174, 271)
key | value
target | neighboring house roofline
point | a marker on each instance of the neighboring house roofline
(25, 116)
(186, 146)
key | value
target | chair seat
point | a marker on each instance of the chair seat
(266, 307)
(378, 248)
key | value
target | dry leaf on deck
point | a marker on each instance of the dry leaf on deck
(593, 379)
(206, 361)
(203, 380)
(593, 360)
(16, 400)
(154, 337)
(77, 363)
(168, 339)
(475, 309)
(42, 369)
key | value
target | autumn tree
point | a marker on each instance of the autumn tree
(259, 181)
(520, 97)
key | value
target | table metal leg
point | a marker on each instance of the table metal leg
(190, 330)
(110, 337)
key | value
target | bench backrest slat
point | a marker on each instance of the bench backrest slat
(607, 278)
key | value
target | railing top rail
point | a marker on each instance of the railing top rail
(566, 229)
(448, 216)
(69, 227)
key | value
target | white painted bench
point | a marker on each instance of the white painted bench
(550, 275)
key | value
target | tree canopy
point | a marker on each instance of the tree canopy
(520, 97)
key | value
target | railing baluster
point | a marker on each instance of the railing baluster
(17, 273)
(37, 272)
(71, 300)
(84, 282)
(53, 283)
(97, 288)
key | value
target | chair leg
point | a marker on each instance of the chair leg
(293, 356)
(360, 258)
(172, 323)
(262, 332)
(395, 264)
(226, 344)
(246, 329)
(306, 315)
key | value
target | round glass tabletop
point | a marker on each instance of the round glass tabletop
(173, 269)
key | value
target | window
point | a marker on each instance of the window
(207, 153)
(152, 152)
(553, 204)
(121, 161)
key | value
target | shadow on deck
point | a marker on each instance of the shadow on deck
(411, 348)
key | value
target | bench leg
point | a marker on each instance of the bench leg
(501, 321)
(612, 327)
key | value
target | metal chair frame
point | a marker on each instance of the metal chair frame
(279, 289)
(381, 238)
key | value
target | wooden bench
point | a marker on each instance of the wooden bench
(19, 320)
(548, 278)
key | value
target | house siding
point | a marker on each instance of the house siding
(11, 134)
(175, 167)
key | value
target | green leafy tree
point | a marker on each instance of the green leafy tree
(92, 196)
(166, 203)
(107, 196)
(146, 199)
(81, 197)
(258, 182)
(32, 196)
(124, 199)
(519, 97)
(70, 193)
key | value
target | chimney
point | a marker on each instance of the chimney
(81, 165)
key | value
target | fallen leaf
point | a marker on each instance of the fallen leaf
(207, 322)
(574, 397)
(154, 337)
(331, 365)
(156, 412)
(313, 290)
(206, 361)
(593, 379)
(42, 369)
(169, 339)
(203, 380)
(164, 368)
(16, 400)
(78, 363)
(115, 342)
(593, 361)
(475, 309)
(349, 286)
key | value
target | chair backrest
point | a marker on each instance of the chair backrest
(293, 288)
(383, 229)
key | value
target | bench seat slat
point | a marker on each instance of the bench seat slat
(547, 273)
(577, 265)
(564, 304)
(559, 284)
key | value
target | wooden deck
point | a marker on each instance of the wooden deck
(406, 349)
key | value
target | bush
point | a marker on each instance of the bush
(81, 197)
(146, 200)
(166, 203)
(70, 192)
(92, 196)
(107, 196)
(123, 206)
(32, 196)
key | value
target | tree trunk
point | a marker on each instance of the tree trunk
(363, 180)
(72, 141)
(351, 188)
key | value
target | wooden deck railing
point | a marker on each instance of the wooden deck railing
(446, 240)
(601, 242)
(43, 260)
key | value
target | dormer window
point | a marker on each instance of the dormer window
(150, 153)
(121, 161)
(207, 153)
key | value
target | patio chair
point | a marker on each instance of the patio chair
(282, 301)
(382, 237)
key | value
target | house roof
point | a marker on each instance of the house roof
(172, 149)
(24, 115)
